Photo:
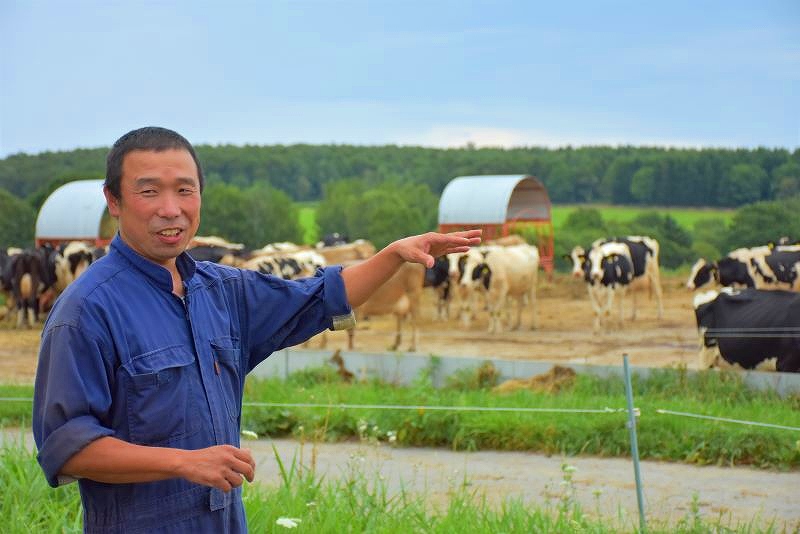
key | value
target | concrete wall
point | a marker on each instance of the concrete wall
(403, 368)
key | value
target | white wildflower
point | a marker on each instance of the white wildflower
(568, 468)
(249, 434)
(287, 522)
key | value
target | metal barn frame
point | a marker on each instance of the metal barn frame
(76, 211)
(499, 205)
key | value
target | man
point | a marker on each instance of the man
(142, 362)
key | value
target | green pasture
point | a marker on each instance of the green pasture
(685, 217)
(307, 215)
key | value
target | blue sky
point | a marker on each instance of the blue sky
(691, 74)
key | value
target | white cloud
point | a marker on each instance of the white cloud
(452, 136)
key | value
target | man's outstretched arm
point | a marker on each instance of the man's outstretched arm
(365, 278)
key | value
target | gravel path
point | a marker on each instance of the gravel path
(604, 485)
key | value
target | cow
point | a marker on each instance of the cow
(438, 278)
(642, 253)
(502, 273)
(214, 241)
(779, 268)
(360, 249)
(332, 240)
(26, 276)
(400, 296)
(6, 277)
(742, 267)
(608, 272)
(747, 327)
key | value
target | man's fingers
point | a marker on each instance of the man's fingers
(233, 478)
(244, 468)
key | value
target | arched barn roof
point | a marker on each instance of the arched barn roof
(493, 200)
(75, 211)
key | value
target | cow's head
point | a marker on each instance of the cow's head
(597, 254)
(701, 274)
(482, 274)
(578, 258)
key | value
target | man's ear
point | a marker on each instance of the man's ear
(112, 201)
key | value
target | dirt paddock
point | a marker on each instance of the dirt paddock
(564, 333)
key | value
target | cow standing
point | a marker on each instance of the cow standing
(607, 272)
(27, 274)
(747, 327)
(636, 263)
(438, 278)
(502, 273)
(399, 296)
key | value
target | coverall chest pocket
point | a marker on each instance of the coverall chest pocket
(162, 396)
(227, 363)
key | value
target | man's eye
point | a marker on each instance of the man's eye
(186, 191)
(148, 192)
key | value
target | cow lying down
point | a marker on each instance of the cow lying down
(747, 327)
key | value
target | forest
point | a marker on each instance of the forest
(384, 192)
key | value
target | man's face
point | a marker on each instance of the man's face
(159, 204)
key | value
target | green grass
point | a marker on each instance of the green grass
(685, 217)
(352, 503)
(308, 222)
(661, 437)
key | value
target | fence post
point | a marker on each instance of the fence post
(634, 442)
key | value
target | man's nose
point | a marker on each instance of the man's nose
(170, 207)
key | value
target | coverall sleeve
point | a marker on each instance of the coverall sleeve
(281, 313)
(72, 397)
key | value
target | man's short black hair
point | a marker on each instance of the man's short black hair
(152, 138)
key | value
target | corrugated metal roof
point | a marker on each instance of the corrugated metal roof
(74, 210)
(493, 200)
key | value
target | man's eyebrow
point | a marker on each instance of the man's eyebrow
(145, 181)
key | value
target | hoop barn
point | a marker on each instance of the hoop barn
(76, 211)
(500, 205)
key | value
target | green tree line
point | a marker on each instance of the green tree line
(382, 193)
(622, 175)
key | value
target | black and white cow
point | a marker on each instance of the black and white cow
(641, 251)
(743, 267)
(726, 272)
(438, 277)
(607, 271)
(779, 268)
(332, 240)
(746, 327)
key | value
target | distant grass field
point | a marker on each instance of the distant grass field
(685, 217)
(308, 221)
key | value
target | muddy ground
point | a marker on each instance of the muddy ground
(564, 333)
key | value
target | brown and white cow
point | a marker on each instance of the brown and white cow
(399, 296)
(360, 249)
